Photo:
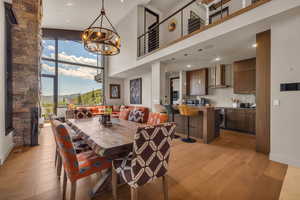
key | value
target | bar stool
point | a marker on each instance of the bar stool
(188, 112)
(171, 111)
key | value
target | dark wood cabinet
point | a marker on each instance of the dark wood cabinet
(197, 82)
(240, 119)
(245, 76)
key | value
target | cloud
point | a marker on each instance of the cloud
(67, 70)
(51, 47)
(71, 58)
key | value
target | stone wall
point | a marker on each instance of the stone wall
(26, 63)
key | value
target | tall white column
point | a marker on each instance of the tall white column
(156, 84)
(207, 14)
(244, 3)
(182, 85)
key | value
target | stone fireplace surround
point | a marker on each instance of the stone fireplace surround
(26, 53)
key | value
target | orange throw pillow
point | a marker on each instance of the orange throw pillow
(124, 114)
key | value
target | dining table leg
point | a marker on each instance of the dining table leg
(104, 184)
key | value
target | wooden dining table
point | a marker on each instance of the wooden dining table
(111, 142)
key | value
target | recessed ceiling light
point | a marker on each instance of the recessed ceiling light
(217, 59)
(69, 4)
(122, 1)
(254, 45)
(189, 66)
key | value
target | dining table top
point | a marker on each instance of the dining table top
(105, 141)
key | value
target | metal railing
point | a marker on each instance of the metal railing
(186, 20)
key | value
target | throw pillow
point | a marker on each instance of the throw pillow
(124, 114)
(116, 108)
(136, 116)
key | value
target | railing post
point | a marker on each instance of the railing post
(144, 44)
(139, 47)
(221, 9)
(181, 23)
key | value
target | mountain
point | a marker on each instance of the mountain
(88, 98)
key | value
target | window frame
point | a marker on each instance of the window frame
(70, 35)
(10, 20)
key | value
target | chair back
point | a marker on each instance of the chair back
(157, 118)
(159, 108)
(151, 152)
(66, 149)
(169, 109)
(187, 110)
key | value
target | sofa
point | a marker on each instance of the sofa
(98, 110)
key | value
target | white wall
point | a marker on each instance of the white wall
(6, 143)
(285, 68)
(128, 31)
(146, 89)
(168, 37)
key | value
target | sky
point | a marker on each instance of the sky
(71, 79)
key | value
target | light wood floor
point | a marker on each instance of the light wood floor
(228, 169)
(290, 189)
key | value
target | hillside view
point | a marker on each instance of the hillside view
(91, 98)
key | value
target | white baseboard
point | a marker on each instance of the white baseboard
(285, 159)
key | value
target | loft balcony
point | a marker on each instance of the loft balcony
(186, 21)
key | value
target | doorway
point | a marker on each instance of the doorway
(174, 90)
(151, 25)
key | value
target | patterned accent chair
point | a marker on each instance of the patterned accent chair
(157, 118)
(80, 115)
(149, 160)
(76, 166)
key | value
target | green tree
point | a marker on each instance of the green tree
(79, 99)
(64, 101)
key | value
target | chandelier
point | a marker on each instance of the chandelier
(101, 40)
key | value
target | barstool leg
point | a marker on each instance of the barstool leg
(188, 139)
(173, 120)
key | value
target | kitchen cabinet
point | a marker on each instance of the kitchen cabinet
(217, 76)
(240, 119)
(245, 76)
(197, 82)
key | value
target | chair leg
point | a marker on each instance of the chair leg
(59, 166)
(65, 185)
(114, 183)
(165, 187)
(188, 139)
(56, 157)
(73, 190)
(134, 193)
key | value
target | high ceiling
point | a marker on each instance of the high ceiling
(79, 14)
(164, 5)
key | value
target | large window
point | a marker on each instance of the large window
(67, 76)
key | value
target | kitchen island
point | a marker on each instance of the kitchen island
(204, 126)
